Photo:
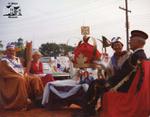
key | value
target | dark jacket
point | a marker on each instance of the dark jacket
(127, 67)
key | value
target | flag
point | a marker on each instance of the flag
(105, 42)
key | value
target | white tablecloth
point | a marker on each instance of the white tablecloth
(50, 87)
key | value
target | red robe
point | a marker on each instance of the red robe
(16, 88)
(130, 104)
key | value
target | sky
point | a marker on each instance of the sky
(60, 21)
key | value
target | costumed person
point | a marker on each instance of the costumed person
(85, 57)
(37, 68)
(85, 54)
(16, 86)
(118, 58)
(122, 80)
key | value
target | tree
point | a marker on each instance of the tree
(53, 49)
(50, 49)
(65, 48)
(1, 48)
(20, 47)
(1, 45)
(20, 43)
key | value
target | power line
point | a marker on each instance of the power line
(127, 21)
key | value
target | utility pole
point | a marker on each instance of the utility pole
(127, 21)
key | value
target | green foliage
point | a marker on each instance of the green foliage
(50, 49)
(53, 49)
(1, 45)
(19, 43)
(65, 48)
(20, 47)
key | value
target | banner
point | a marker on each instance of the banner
(131, 104)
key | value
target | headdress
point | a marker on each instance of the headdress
(10, 45)
(116, 39)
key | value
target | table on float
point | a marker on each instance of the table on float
(63, 92)
(61, 76)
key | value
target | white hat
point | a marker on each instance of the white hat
(36, 52)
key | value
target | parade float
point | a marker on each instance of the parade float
(135, 102)
(72, 91)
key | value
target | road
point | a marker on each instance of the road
(42, 112)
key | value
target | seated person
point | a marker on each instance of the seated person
(119, 56)
(16, 86)
(37, 68)
(126, 73)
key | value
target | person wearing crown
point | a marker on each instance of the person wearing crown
(126, 73)
(16, 86)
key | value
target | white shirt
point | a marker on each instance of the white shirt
(15, 64)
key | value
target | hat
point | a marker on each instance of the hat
(116, 39)
(36, 52)
(139, 33)
(10, 45)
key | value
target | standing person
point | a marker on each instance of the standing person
(99, 87)
(16, 86)
(119, 56)
(37, 68)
